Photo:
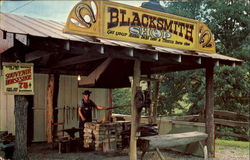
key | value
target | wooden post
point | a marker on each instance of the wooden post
(55, 100)
(110, 105)
(134, 122)
(210, 111)
(21, 119)
(150, 110)
(50, 94)
(155, 100)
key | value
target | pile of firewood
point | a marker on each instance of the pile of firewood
(104, 137)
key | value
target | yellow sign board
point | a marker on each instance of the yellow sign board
(122, 22)
(18, 78)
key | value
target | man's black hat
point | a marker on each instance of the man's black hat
(86, 92)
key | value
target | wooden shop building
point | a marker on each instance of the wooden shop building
(105, 43)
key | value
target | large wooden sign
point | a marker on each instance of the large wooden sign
(18, 78)
(117, 21)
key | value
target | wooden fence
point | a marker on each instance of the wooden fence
(223, 118)
(232, 120)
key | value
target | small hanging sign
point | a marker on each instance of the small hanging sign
(18, 78)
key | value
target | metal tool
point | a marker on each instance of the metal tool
(63, 113)
(73, 113)
(69, 108)
(127, 105)
(67, 114)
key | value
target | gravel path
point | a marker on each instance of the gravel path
(43, 152)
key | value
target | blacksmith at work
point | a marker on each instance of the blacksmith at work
(85, 110)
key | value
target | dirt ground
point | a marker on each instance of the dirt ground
(44, 152)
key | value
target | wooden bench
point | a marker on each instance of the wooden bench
(170, 140)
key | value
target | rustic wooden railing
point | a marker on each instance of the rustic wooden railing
(232, 120)
(223, 118)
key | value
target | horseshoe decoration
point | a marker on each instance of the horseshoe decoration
(86, 14)
(205, 38)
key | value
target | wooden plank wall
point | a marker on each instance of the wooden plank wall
(40, 89)
(69, 95)
(7, 118)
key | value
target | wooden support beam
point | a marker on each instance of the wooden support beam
(170, 58)
(155, 100)
(55, 100)
(49, 107)
(134, 122)
(179, 59)
(67, 45)
(217, 63)
(7, 41)
(23, 38)
(221, 62)
(172, 68)
(31, 56)
(198, 60)
(91, 79)
(60, 71)
(78, 59)
(80, 48)
(146, 57)
(132, 54)
(100, 49)
(209, 110)
(47, 44)
(44, 61)
(21, 120)
(150, 109)
(192, 60)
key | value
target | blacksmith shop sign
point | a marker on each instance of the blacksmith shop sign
(117, 21)
(18, 78)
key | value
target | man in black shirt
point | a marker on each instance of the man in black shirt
(85, 110)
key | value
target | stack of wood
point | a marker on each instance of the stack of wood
(104, 137)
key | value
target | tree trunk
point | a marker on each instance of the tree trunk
(21, 119)
(210, 111)
(50, 94)
(135, 121)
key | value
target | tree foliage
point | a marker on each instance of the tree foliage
(229, 22)
(121, 97)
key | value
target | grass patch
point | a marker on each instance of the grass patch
(229, 143)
